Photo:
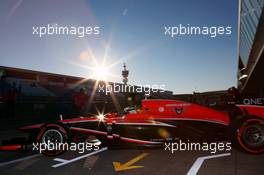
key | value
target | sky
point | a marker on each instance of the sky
(131, 32)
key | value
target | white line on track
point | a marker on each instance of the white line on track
(60, 160)
(19, 160)
(198, 163)
(64, 162)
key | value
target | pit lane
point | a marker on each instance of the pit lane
(154, 161)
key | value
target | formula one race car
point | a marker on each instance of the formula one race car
(159, 121)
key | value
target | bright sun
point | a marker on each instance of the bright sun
(100, 72)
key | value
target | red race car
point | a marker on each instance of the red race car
(159, 121)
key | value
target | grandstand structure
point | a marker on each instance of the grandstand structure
(46, 96)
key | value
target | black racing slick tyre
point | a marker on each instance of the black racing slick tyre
(52, 139)
(249, 135)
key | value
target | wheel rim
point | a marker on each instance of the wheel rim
(253, 135)
(53, 136)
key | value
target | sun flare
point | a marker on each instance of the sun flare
(100, 72)
(100, 117)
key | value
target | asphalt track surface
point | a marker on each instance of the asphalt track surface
(139, 161)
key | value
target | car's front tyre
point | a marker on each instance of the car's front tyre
(53, 137)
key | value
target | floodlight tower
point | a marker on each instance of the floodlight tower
(125, 73)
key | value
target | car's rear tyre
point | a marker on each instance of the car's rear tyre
(250, 135)
(54, 137)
